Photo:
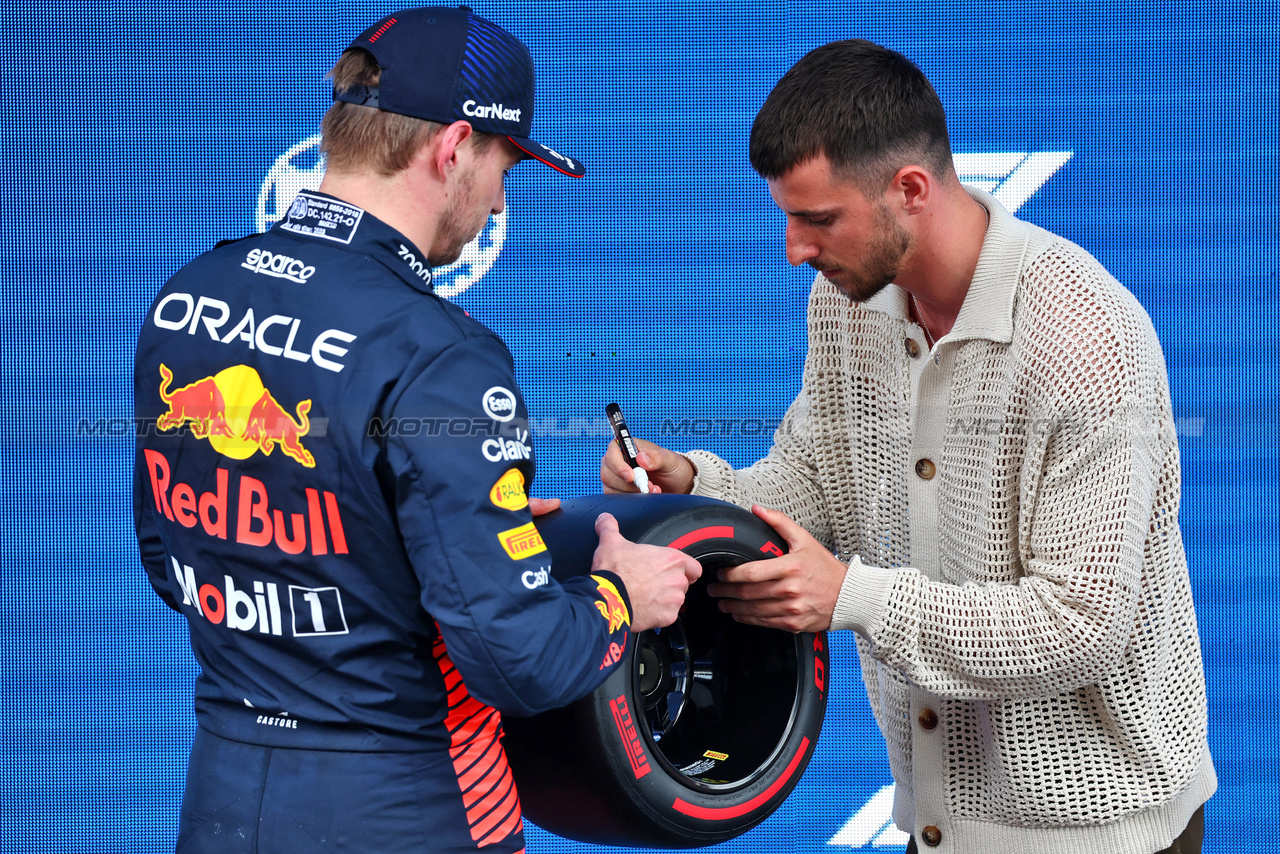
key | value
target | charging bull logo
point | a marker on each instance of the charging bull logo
(236, 413)
(611, 604)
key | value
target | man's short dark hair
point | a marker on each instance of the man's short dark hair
(869, 109)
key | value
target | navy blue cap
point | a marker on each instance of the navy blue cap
(446, 65)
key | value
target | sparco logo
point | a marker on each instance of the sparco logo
(493, 111)
(499, 404)
(422, 271)
(302, 168)
(280, 266)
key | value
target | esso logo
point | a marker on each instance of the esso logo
(499, 404)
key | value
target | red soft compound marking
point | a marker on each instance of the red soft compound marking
(722, 813)
(725, 531)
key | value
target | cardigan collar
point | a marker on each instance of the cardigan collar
(987, 311)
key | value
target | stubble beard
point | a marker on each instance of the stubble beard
(457, 224)
(882, 261)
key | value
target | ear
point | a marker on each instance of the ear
(445, 146)
(910, 189)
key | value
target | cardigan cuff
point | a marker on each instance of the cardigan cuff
(712, 476)
(864, 596)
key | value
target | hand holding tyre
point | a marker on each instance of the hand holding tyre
(668, 470)
(656, 577)
(796, 592)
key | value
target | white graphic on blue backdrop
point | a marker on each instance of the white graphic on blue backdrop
(872, 826)
(1011, 176)
(302, 168)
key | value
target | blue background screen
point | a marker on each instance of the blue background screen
(135, 136)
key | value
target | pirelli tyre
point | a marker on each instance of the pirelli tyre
(709, 724)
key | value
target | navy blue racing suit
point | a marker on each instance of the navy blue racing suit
(330, 486)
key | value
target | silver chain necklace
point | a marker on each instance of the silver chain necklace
(928, 336)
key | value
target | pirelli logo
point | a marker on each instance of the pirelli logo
(630, 736)
(522, 542)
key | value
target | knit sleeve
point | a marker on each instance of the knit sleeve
(1089, 504)
(785, 479)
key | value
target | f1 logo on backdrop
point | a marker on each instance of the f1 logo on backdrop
(1011, 176)
(872, 826)
(302, 168)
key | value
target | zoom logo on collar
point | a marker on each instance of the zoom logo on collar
(421, 270)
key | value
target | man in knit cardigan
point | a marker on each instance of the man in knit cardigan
(984, 439)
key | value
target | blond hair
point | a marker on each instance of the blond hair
(355, 137)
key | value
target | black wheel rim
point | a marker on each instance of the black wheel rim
(720, 698)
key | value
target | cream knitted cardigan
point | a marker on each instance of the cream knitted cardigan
(1009, 506)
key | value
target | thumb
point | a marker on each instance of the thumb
(605, 525)
(657, 460)
(692, 569)
(784, 525)
(543, 506)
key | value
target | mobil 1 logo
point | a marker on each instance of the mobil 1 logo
(255, 606)
(317, 611)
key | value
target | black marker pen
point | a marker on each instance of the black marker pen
(628, 445)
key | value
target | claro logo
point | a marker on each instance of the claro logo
(280, 266)
(511, 450)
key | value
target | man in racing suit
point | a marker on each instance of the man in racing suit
(334, 486)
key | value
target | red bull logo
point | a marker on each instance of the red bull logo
(237, 414)
(244, 512)
(614, 653)
(611, 605)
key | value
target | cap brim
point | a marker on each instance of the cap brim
(554, 159)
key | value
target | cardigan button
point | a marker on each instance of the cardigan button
(913, 348)
(928, 719)
(931, 836)
(926, 469)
